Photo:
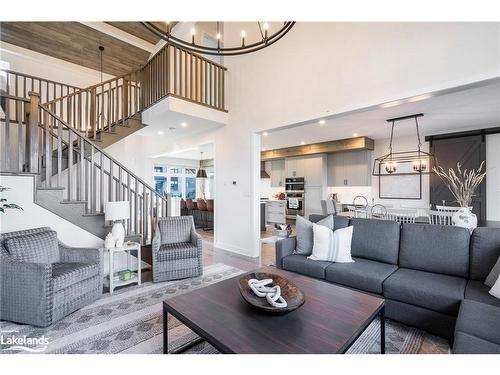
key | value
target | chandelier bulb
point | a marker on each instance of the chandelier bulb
(243, 35)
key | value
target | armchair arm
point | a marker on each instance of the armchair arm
(26, 292)
(79, 254)
(156, 242)
(195, 238)
(284, 248)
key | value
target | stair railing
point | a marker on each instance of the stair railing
(18, 84)
(65, 159)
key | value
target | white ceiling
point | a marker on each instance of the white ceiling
(467, 109)
(193, 153)
(169, 122)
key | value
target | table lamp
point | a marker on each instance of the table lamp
(116, 212)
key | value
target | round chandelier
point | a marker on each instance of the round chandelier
(263, 28)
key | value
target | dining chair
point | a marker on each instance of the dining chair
(378, 211)
(403, 216)
(440, 217)
(357, 212)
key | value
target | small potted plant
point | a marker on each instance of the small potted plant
(4, 205)
(463, 185)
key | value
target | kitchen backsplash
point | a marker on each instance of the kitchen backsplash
(346, 194)
(266, 191)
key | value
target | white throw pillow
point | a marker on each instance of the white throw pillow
(342, 239)
(495, 289)
(322, 243)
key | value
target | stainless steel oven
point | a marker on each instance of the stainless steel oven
(295, 194)
(294, 184)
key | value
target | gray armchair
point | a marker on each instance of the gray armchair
(43, 280)
(177, 249)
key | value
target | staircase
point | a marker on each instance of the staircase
(59, 132)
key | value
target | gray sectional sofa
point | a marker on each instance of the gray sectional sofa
(431, 276)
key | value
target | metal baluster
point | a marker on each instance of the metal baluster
(48, 155)
(92, 179)
(110, 182)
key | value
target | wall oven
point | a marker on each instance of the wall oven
(295, 192)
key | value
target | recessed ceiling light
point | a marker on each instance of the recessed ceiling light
(302, 143)
(355, 134)
(161, 132)
(184, 124)
(321, 122)
(265, 134)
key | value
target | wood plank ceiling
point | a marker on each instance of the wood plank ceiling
(76, 43)
(139, 30)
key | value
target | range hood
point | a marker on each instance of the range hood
(263, 173)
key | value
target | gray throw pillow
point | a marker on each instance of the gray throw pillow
(305, 233)
(34, 248)
(493, 275)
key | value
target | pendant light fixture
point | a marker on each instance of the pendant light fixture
(202, 173)
(407, 162)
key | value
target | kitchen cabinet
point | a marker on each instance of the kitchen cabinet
(276, 170)
(315, 170)
(351, 168)
(294, 167)
(276, 212)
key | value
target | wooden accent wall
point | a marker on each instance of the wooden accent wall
(341, 145)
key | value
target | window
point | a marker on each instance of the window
(190, 187)
(160, 184)
(175, 180)
(174, 187)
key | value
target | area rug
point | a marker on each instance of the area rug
(131, 322)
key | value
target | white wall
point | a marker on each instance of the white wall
(493, 177)
(327, 68)
(34, 216)
(39, 65)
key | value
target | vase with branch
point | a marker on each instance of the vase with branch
(462, 184)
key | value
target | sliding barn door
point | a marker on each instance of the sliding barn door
(470, 151)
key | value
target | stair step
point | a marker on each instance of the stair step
(94, 214)
(73, 202)
(50, 188)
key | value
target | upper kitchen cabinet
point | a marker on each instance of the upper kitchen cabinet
(352, 168)
(276, 169)
(315, 170)
(294, 167)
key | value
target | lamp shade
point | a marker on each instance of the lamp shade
(201, 173)
(116, 210)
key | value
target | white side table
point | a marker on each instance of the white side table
(136, 278)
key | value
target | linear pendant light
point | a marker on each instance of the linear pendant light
(407, 162)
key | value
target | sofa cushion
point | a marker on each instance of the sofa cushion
(305, 233)
(479, 320)
(300, 263)
(41, 247)
(435, 248)
(477, 291)
(484, 252)
(176, 251)
(376, 240)
(175, 229)
(494, 274)
(363, 274)
(441, 293)
(67, 274)
(339, 222)
(469, 344)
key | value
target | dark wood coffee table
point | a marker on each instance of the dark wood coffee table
(330, 321)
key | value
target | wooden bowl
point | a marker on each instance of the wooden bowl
(292, 295)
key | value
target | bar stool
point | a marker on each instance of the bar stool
(210, 215)
(202, 208)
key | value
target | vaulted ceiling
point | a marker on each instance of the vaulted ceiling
(79, 44)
